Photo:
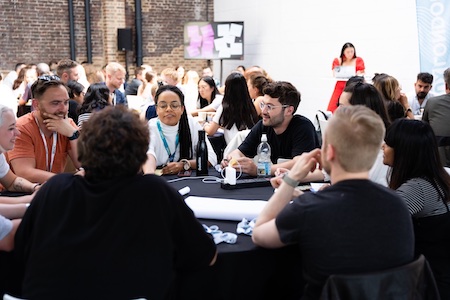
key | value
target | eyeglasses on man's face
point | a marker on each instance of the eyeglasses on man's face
(271, 107)
(173, 105)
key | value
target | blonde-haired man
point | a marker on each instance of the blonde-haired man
(169, 76)
(353, 226)
(114, 78)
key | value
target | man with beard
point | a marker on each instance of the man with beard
(288, 134)
(353, 226)
(422, 89)
(47, 135)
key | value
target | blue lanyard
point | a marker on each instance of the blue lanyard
(171, 155)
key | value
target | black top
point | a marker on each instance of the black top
(122, 239)
(300, 136)
(132, 87)
(73, 110)
(353, 226)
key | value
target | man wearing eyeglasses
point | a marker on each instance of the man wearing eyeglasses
(288, 134)
(47, 135)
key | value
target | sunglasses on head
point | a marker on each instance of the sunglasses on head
(49, 77)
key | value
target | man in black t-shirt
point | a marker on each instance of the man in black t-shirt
(353, 226)
(288, 135)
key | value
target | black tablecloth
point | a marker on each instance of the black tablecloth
(243, 270)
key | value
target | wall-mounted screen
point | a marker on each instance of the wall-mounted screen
(214, 40)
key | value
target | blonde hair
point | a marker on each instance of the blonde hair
(113, 67)
(170, 72)
(191, 77)
(356, 133)
(388, 86)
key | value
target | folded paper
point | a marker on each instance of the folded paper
(225, 209)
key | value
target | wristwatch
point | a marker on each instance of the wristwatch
(186, 164)
(75, 135)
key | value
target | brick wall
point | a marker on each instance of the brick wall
(38, 31)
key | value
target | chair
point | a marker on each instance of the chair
(323, 126)
(320, 123)
(412, 281)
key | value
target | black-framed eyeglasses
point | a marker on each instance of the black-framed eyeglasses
(173, 105)
(49, 77)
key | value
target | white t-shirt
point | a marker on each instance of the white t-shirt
(414, 103)
(215, 103)
(158, 150)
(228, 134)
(4, 166)
(379, 170)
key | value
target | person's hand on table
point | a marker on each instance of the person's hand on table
(241, 164)
(172, 168)
(225, 161)
(245, 165)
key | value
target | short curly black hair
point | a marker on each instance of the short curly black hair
(113, 144)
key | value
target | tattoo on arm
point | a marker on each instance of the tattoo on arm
(18, 184)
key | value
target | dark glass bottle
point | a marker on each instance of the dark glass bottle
(202, 154)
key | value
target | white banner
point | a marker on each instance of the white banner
(433, 21)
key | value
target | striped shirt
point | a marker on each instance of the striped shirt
(422, 198)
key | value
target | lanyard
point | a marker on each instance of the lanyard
(171, 155)
(52, 157)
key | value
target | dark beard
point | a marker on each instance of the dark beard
(421, 95)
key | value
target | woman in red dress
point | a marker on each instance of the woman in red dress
(347, 58)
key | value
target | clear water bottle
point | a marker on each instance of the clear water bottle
(264, 162)
(202, 154)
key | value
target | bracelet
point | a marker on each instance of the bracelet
(290, 181)
(33, 188)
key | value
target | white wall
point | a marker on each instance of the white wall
(297, 40)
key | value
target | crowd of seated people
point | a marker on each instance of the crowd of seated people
(46, 139)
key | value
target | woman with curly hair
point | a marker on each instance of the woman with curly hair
(127, 235)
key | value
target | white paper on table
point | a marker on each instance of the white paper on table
(225, 209)
(315, 186)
